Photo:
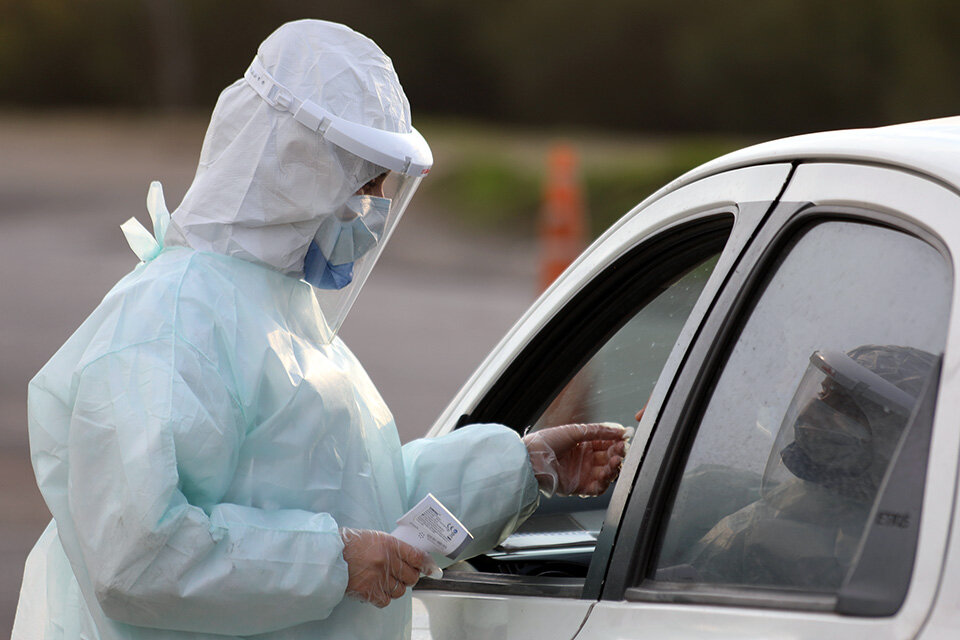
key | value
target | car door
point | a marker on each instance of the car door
(783, 494)
(606, 338)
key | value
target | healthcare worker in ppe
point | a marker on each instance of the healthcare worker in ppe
(216, 461)
(835, 443)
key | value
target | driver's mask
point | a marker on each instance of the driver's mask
(834, 431)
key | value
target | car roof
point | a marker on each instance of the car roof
(929, 147)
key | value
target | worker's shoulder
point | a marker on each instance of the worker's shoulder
(219, 275)
(156, 289)
(180, 279)
(180, 287)
(207, 293)
(199, 299)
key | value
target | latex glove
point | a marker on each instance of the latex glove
(381, 567)
(581, 459)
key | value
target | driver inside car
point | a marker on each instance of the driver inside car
(835, 443)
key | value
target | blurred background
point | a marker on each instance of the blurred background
(99, 97)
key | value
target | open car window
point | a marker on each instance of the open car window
(612, 386)
(597, 361)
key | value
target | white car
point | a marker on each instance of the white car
(784, 315)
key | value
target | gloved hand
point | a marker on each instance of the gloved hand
(381, 567)
(581, 459)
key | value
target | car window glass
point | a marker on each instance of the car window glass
(618, 379)
(614, 384)
(806, 415)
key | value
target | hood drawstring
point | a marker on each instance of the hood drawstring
(146, 246)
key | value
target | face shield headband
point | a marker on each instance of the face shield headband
(405, 153)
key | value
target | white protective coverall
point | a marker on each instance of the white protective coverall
(202, 437)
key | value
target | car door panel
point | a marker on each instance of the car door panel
(935, 208)
(447, 610)
(921, 208)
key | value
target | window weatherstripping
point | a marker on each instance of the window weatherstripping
(503, 584)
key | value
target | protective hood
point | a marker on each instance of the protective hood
(268, 176)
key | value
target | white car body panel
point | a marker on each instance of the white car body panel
(456, 616)
(910, 172)
(929, 205)
(928, 147)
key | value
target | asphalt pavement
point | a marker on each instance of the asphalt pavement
(438, 301)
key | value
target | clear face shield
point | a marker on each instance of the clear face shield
(829, 434)
(350, 240)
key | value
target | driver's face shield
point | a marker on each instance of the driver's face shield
(829, 434)
(831, 428)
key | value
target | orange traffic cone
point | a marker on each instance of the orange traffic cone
(562, 218)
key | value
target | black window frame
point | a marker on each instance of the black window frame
(568, 341)
(646, 513)
(575, 333)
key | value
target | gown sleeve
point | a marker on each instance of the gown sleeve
(481, 473)
(154, 441)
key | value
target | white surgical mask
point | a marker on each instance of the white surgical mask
(349, 234)
(343, 238)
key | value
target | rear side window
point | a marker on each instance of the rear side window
(785, 477)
